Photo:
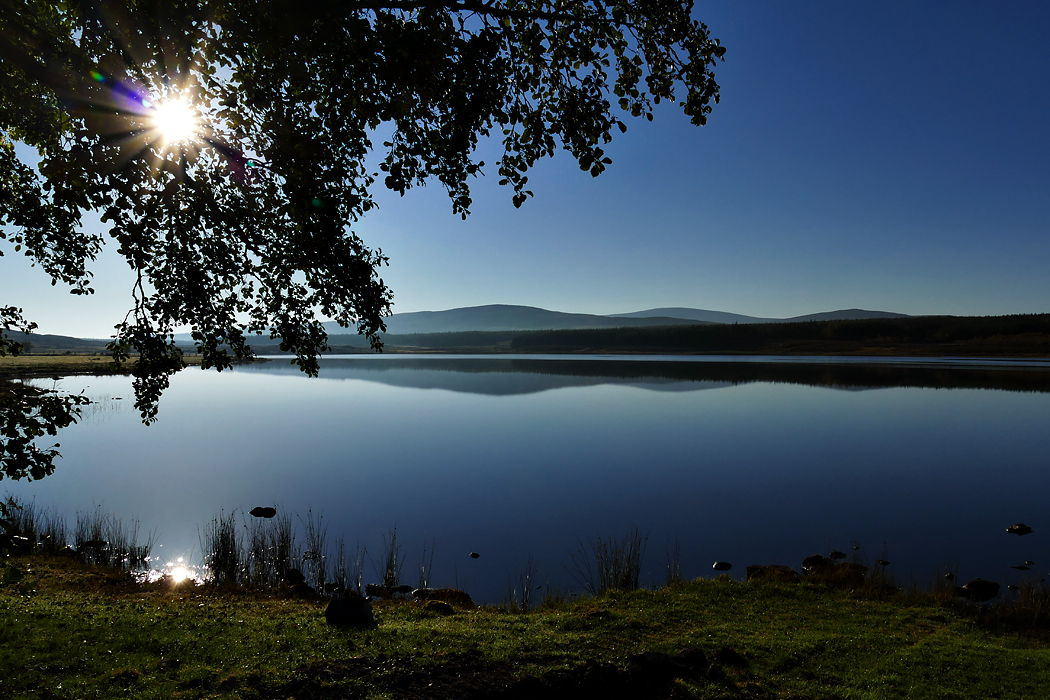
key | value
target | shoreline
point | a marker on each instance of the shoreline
(89, 631)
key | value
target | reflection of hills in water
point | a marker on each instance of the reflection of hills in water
(495, 377)
(505, 376)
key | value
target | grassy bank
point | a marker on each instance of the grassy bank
(70, 630)
(58, 364)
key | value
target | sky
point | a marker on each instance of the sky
(890, 155)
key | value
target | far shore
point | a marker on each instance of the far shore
(32, 365)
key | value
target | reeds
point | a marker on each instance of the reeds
(606, 564)
(98, 537)
(223, 551)
(674, 565)
(314, 558)
(520, 595)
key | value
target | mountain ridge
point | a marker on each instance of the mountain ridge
(512, 317)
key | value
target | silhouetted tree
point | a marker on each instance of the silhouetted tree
(247, 223)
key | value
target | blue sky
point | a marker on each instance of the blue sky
(890, 155)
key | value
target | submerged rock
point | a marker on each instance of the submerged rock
(1019, 529)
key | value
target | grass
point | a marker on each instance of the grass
(71, 630)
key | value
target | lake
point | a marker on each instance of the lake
(749, 460)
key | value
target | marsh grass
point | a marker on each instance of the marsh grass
(521, 589)
(606, 564)
(391, 560)
(314, 557)
(98, 537)
(674, 565)
(347, 569)
(426, 566)
(222, 550)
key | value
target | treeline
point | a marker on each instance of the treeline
(1018, 336)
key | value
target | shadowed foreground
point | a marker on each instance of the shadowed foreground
(68, 630)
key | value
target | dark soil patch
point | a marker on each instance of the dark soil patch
(470, 677)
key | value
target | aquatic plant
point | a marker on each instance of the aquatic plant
(606, 564)
(222, 550)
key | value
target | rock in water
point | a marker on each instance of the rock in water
(349, 612)
(263, 512)
(721, 566)
(474, 555)
(980, 591)
(1019, 529)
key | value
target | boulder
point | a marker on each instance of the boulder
(453, 596)
(815, 562)
(845, 575)
(377, 590)
(773, 572)
(979, 590)
(728, 656)
(349, 612)
(439, 608)
(693, 658)
(298, 590)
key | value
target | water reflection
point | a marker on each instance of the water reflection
(521, 458)
(523, 375)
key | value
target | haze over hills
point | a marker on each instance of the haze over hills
(725, 317)
(501, 317)
(506, 317)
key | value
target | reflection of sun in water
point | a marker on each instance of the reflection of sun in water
(175, 121)
(180, 574)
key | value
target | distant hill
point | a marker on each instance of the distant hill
(40, 342)
(506, 317)
(725, 317)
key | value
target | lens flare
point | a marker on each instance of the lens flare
(180, 574)
(175, 121)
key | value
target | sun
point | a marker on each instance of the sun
(175, 121)
(180, 574)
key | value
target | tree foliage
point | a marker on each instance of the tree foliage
(28, 413)
(302, 110)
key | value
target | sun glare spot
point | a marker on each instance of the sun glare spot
(175, 121)
(180, 574)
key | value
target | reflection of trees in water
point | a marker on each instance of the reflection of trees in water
(104, 407)
(101, 407)
(836, 375)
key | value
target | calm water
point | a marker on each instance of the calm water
(750, 462)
